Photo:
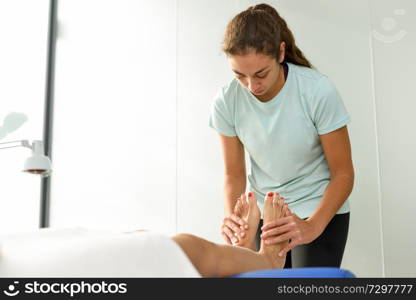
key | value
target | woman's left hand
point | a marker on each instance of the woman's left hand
(292, 228)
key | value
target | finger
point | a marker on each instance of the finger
(235, 227)
(230, 234)
(226, 239)
(227, 235)
(276, 231)
(281, 238)
(238, 220)
(276, 223)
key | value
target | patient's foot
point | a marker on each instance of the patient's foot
(274, 209)
(247, 209)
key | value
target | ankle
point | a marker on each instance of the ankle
(275, 261)
(267, 258)
(252, 246)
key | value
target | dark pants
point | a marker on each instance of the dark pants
(325, 251)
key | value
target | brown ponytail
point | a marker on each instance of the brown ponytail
(261, 28)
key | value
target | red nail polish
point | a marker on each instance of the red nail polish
(270, 194)
(250, 194)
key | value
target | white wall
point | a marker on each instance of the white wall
(23, 33)
(395, 105)
(135, 94)
(115, 113)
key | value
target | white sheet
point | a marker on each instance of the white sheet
(80, 252)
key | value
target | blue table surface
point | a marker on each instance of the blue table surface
(321, 272)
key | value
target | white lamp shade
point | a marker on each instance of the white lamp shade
(38, 164)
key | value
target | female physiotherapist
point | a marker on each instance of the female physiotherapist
(292, 122)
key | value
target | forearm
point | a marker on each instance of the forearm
(336, 193)
(234, 186)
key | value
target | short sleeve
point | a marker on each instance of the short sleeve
(221, 118)
(328, 110)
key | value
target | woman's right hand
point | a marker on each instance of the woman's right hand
(233, 227)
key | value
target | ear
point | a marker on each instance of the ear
(282, 52)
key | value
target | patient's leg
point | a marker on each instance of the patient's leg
(246, 208)
(215, 260)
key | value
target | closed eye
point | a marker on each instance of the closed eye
(262, 75)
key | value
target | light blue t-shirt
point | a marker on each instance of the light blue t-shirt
(281, 136)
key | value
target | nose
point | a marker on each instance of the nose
(252, 85)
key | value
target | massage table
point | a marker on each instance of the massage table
(81, 252)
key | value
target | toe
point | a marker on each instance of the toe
(268, 199)
(281, 205)
(237, 207)
(244, 201)
(285, 210)
(252, 204)
(276, 202)
(250, 199)
(268, 207)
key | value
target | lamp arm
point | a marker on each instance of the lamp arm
(14, 144)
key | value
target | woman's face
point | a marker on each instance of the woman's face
(258, 73)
